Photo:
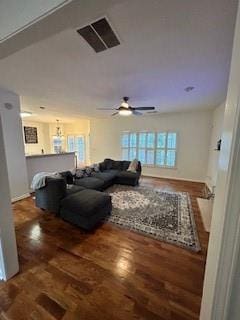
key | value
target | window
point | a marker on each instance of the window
(77, 144)
(146, 147)
(151, 148)
(166, 149)
(57, 144)
(71, 144)
(129, 146)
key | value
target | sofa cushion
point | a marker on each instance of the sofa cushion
(125, 165)
(102, 166)
(86, 202)
(113, 171)
(67, 176)
(128, 177)
(117, 165)
(90, 183)
(108, 163)
(71, 189)
(127, 174)
(106, 176)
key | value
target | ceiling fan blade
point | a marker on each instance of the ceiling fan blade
(114, 114)
(152, 112)
(106, 108)
(144, 108)
(136, 113)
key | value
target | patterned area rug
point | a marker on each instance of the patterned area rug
(166, 216)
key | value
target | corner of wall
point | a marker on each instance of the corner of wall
(13, 141)
(217, 127)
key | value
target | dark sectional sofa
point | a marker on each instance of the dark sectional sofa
(81, 201)
(110, 172)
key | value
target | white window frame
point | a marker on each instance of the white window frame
(166, 149)
(67, 145)
(147, 148)
(75, 136)
(62, 145)
(155, 165)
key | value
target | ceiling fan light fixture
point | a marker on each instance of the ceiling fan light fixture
(58, 134)
(126, 112)
(124, 105)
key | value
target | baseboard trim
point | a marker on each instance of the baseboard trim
(24, 196)
(173, 178)
(209, 187)
(206, 208)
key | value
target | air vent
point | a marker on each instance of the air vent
(104, 30)
(92, 38)
(99, 35)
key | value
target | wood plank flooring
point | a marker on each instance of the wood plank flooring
(110, 273)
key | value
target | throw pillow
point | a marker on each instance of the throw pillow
(133, 166)
(80, 173)
(108, 163)
(88, 171)
(67, 176)
(96, 167)
(73, 171)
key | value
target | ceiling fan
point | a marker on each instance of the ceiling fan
(126, 110)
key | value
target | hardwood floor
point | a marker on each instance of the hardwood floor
(110, 273)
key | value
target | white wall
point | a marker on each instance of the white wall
(8, 249)
(193, 128)
(235, 295)
(220, 300)
(15, 15)
(49, 163)
(13, 140)
(43, 138)
(217, 127)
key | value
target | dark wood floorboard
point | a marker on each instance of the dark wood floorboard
(110, 273)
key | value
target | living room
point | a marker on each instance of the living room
(193, 159)
(118, 129)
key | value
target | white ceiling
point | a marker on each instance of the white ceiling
(166, 45)
(16, 15)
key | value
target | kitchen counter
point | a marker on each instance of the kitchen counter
(52, 162)
(47, 154)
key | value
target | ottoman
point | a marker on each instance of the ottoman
(86, 208)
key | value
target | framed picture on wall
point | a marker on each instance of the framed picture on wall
(30, 134)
